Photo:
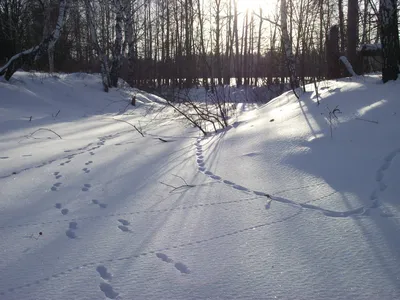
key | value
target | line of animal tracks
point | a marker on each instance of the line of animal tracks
(363, 210)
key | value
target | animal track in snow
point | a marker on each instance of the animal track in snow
(135, 256)
(108, 290)
(86, 187)
(89, 162)
(103, 272)
(55, 186)
(57, 175)
(105, 286)
(86, 170)
(182, 268)
(64, 163)
(132, 213)
(164, 257)
(64, 211)
(71, 230)
(379, 178)
(101, 205)
(124, 227)
(124, 222)
(4, 157)
(326, 212)
(179, 266)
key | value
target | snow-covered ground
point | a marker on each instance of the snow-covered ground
(273, 207)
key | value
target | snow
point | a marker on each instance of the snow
(270, 208)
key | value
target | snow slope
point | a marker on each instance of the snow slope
(273, 207)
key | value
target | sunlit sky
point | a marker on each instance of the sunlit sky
(266, 5)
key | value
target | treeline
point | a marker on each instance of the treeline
(185, 42)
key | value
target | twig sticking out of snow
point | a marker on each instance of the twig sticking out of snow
(174, 188)
(141, 133)
(46, 129)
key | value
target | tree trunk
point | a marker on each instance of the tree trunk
(352, 32)
(389, 39)
(237, 57)
(117, 56)
(341, 25)
(287, 47)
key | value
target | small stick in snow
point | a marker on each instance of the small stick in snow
(55, 116)
(46, 130)
(174, 188)
(165, 141)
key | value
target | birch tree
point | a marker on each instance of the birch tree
(116, 53)
(33, 54)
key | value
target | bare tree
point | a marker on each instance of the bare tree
(34, 53)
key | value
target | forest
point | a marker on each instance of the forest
(183, 43)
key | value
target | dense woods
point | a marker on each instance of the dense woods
(183, 43)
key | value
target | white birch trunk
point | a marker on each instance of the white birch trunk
(117, 56)
(60, 23)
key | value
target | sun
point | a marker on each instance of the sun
(253, 5)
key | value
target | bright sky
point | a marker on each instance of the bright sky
(266, 5)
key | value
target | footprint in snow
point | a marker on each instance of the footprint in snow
(124, 227)
(182, 268)
(108, 290)
(70, 233)
(71, 230)
(86, 187)
(164, 257)
(86, 170)
(101, 205)
(102, 270)
(124, 222)
(89, 162)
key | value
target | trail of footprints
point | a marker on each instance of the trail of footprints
(107, 289)
(71, 231)
(329, 213)
(124, 225)
(181, 267)
(105, 285)
(379, 178)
